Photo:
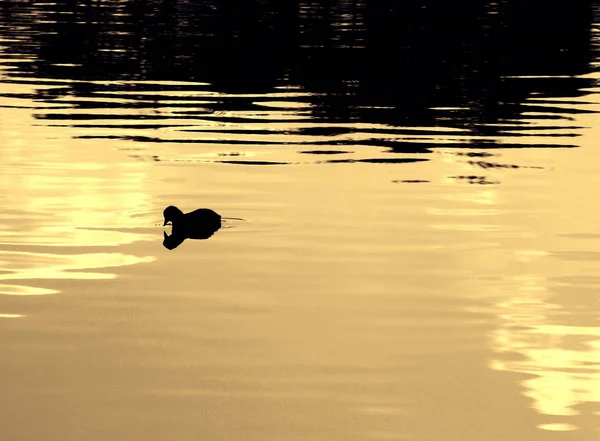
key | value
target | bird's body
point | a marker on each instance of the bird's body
(197, 224)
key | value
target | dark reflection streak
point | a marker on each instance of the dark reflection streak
(537, 135)
(199, 116)
(475, 154)
(480, 180)
(485, 164)
(325, 152)
(25, 96)
(191, 141)
(406, 131)
(377, 160)
(252, 162)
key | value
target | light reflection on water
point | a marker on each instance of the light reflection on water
(563, 359)
(55, 195)
(419, 258)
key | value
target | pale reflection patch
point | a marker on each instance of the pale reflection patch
(11, 316)
(30, 266)
(558, 427)
(563, 359)
(61, 196)
(21, 290)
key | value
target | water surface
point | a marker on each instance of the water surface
(416, 250)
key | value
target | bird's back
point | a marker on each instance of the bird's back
(197, 224)
(202, 215)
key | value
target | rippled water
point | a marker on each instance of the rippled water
(410, 249)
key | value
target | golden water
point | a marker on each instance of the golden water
(444, 291)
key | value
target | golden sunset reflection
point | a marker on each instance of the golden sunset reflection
(563, 359)
(515, 261)
(60, 197)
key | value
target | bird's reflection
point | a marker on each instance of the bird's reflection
(198, 224)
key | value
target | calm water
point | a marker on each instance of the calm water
(416, 249)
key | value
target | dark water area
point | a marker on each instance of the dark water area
(403, 70)
(402, 240)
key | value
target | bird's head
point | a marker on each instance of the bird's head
(172, 214)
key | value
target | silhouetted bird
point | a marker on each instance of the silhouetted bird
(198, 224)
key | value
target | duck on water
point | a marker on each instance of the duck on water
(198, 224)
